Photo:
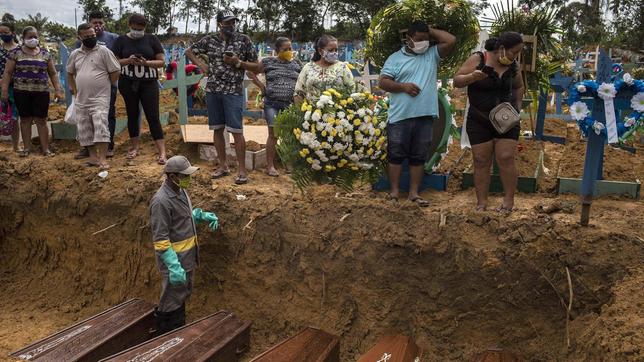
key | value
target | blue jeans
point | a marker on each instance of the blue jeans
(225, 110)
(409, 139)
(271, 109)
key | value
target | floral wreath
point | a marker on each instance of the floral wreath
(626, 127)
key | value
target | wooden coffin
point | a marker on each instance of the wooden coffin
(393, 349)
(221, 337)
(102, 335)
(496, 355)
(310, 345)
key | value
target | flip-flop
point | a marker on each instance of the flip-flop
(240, 180)
(504, 210)
(91, 164)
(161, 160)
(132, 154)
(48, 153)
(420, 201)
(391, 197)
(481, 208)
(273, 173)
(23, 153)
(104, 167)
(219, 174)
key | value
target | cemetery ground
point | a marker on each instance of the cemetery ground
(355, 264)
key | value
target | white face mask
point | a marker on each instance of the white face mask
(136, 34)
(420, 47)
(31, 43)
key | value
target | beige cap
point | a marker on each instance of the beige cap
(179, 164)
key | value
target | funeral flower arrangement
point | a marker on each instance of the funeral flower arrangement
(338, 138)
(614, 128)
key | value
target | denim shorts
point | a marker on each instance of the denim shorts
(409, 139)
(271, 109)
(225, 110)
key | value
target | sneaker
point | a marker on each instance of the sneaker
(83, 153)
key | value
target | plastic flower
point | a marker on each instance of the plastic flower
(628, 79)
(598, 127)
(629, 122)
(637, 102)
(307, 116)
(579, 111)
(606, 91)
(581, 88)
(316, 116)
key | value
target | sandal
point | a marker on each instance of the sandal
(161, 160)
(240, 180)
(132, 154)
(273, 173)
(220, 173)
(504, 209)
(48, 153)
(481, 208)
(23, 153)
(91, 164)
(104, 166)
(420, 201)
(391, 197)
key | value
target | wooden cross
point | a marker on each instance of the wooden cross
(181, 82)
(593, 164)
(560, 84)
(63, 56)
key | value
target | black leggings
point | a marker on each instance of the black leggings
(145, 92)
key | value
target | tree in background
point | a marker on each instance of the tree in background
(158, 13)
(8, 18)
(59, 31)
(89, 6)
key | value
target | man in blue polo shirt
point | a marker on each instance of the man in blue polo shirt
(107, 39)
(409, 75)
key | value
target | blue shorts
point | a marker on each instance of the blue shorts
(409, 139)
(225, 110)
(271, 109)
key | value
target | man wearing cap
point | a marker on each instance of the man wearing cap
(173, 223)
(226, 54)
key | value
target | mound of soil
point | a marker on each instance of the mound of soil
(354, 264)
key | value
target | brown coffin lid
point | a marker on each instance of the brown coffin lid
(393, 349)
(95, 337)
(216, 337)
(310, 345)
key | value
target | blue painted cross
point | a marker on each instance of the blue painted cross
(559, 84)
(61, 68)
(593, 164)
(181, 82)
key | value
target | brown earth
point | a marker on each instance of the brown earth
(354, 264)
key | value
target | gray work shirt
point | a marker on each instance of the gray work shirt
(172, 226)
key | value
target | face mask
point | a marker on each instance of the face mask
(420, 47)
(137, 34)
(7, 38)
(31, 43)
(331, 57)
(184, 183)
(90, 42)
(504, 60)
(228, 30)
(286, 55)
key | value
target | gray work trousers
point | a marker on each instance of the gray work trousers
(174, 295)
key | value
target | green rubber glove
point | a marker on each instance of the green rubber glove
(171, 260)
(199, 215)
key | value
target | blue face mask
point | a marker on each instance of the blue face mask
(7, 38)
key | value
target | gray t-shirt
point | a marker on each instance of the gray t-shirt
(281, 77)
(91, 69)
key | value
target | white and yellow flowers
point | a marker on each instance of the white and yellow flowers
(606, 91)
(341, 131)
(579, 111)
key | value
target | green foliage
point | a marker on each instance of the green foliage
(157, 11)
(60, 31)
(541, 22)
(454, 16)
(89, 6)
(8, 18)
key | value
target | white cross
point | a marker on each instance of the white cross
(385, 357)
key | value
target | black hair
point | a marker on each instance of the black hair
(11, 27)
(137, 19)
(417, 27)
(97, 14)
(83, 26)
(322, 42)
(508, 39)
(280, 41)
(28, 29)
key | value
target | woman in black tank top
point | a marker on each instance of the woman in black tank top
(493, 78)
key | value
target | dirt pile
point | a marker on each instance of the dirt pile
(354, 264)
